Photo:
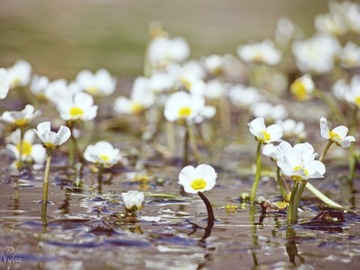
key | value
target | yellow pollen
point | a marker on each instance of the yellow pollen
(26, 148)
(334, 137)
(76, 111)
(357, 101)
(297, 168)
(306, 172)
(298, 89)
(184, 111)
(104, 158)
(187, 85)
(281, 205)
(198, 184)
(137, 108)
(92, 90)
(296, 178)
(21, 122)
(259, 58)
(266, 136)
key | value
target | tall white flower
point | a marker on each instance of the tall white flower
(303, 87)
(100, 83)
(242, 96)
(60, 89)
(316, 54)
(20, 118)
(263, 134)
(102, 153)
(30, 152)
(352, 95)
(350, 55)
(331, 23)
(19, 74)
(79, 107)
(292, 128)
(299, 162)
(163, 51)
(133, 200)
(140, 100)
(199, 179)
(268, 111)
(38, 85)
(4, 83)
(183, 106)
(337, 135)
(50, 139)
(263, 52)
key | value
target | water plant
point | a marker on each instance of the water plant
(196, 180)
(51, 141)
(133, 201)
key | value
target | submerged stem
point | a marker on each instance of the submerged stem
(210, 213)
(292, 214)
(257, 174)
(100, 178)
(46, 184)
(21, 149)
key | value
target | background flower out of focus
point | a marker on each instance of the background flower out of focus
(60, 38)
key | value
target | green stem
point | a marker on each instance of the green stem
(193, 144)
(352, 155)
(21, 148)
(257, 175)
(323, 154)
(186, 147)
(100, 178)
(70, 125)
(292, 214)
(281, 184)
(46, 184)
(295, 201)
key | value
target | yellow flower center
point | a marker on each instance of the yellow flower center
(26, 148)
(104, 157)
(16, 82)
(357, 101)
(281, 205)
(298, 89)
(184, 112)
(296, 178)
(187, 85)
(76, 111)
(266, 136)
(198, 184)
(21, 122)
(334, 137)
(92, 90)
(137, 108)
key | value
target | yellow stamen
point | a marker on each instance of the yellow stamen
(357, 101)
(92, 90)
(298, 89)
(198, 184)
(27, 148)
(266, 136)
(184, 111)
(104, 158)
(76, 111)
(187, 85)
(137, 108)
(21, 122)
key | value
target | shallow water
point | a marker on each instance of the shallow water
(84, 229)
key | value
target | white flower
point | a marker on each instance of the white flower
(183, 106)
(316, 54)
(215, 64)
(263, 52)
(352, 13)
(292, 128)
(352, 95)
(336, 135)
(215, 89)
(102, 153)
(299, 162)
(79, 107)
(242, 96)
(269, 150)
(30, 152)
(331, 23)
(199, 179)
(162, 81)
(206, 113)
(51, 139)
(60, 89)
(191, 83)
(303, 87)
(163, 51)
(19, 74)
(133, 200)
(263, 134)
(100, 83)
(4, 83)
(350, 55)
(38, 85)
(268, 111)
(140, 100)
(20, 118)
(285, 31)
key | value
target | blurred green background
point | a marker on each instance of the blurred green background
(59, 38)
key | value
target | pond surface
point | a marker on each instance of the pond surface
(84, 228)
